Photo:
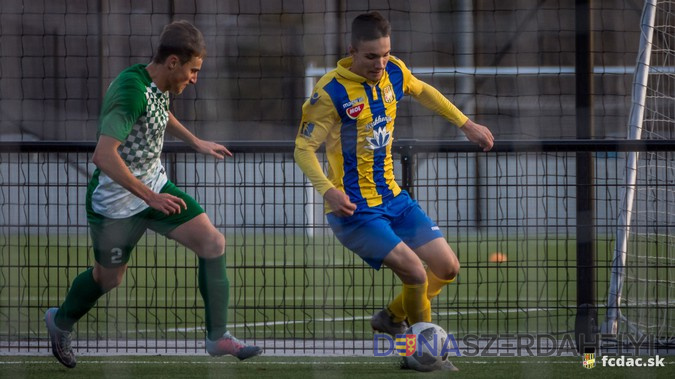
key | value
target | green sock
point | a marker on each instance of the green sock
(215, 289)
(82, 296)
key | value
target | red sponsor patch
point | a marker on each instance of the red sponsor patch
(354, 111)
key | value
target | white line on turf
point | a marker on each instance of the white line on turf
(338, 319)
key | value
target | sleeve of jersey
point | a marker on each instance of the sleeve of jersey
(432, 99)
(125, 102)
(316, 123)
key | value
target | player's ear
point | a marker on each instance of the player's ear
(351, 50)
(172, 61)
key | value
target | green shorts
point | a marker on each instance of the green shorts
(114, 238)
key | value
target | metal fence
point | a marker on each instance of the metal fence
(294, 288)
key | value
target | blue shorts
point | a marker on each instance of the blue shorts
(373, 232)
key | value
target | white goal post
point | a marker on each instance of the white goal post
(641, 295)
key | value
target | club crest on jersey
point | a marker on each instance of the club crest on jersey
(388, 94)
(355, 111)
(381, 138)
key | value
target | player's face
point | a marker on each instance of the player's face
(184, 74)
(370, 58)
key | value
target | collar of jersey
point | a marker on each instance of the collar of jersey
(143, 70)
(148, 78)
(343, 66)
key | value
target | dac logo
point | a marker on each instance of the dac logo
(407, 344)
(388, 94)
(589, 360)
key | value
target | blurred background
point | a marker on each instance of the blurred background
(507, 64)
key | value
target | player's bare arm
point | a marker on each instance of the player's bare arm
(478, 134)
(176, 129)
(108, 160)
(339, 202)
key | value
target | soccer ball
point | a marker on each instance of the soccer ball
(424, 359)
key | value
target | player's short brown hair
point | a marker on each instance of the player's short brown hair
(368, 27)
(182, 39)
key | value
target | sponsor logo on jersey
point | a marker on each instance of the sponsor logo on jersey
(381, 138)
(377, 121)
(307, 129)
(353, 102)
(355, 111)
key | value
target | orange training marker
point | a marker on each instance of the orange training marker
(497, 257)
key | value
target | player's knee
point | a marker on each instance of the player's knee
(413, 275)
(453, 270)
(109, 279)
(219, 244)
(212, 246)
(448, 271)
(110, 283)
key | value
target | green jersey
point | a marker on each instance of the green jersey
(134, 112)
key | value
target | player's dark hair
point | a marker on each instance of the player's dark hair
(182, 39)
(368, 27)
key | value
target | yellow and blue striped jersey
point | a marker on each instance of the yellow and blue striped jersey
(355, 119)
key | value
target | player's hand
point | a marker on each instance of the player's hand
(339, 202)
(211, 148)
(478, 134)
(166, 203)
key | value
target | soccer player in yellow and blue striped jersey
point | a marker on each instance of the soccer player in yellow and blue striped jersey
(353, 111)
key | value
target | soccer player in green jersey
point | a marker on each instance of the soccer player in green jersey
(353, 110)
(130, 193)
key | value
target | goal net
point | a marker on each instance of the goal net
(641, 299)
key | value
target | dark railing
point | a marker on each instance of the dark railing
(294, 288)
